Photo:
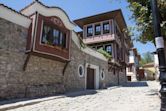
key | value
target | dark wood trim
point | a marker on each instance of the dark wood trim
(29, 38)
(48, 57)
(64, 69)
(26, 61)
(51, 50)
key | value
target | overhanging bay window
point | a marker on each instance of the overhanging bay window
(89, 31)
(52, 36)
(97, 29)
(106, 27)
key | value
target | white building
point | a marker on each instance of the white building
(156, 65)
(133, 66)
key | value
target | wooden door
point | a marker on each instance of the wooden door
(129, 78)
(90, 79)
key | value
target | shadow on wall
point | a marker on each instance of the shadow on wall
(136, 84)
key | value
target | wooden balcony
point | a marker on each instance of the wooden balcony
(99, 39)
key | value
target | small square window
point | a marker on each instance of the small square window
(108, 48)
(89, 31)
(97, 29)
(106, 28)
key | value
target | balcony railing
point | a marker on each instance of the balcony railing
(99, 39)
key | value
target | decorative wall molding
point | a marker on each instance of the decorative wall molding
(49, 11)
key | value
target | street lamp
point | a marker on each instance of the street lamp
(160, 51)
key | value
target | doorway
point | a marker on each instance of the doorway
(129, 78)
(90, 78)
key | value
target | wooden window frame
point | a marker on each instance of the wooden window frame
(97, 32)
(87, 31)
(59, 53)
(106, 31)
(108, 46)
(60, 32)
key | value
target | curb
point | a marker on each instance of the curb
(26, 103)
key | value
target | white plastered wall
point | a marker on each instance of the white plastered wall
(37, 7)
(14, 17)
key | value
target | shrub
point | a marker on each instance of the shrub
(105, 53)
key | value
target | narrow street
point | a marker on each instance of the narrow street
(139, 96)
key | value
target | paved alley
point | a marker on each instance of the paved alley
(138, 96)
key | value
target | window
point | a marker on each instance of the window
(130, 68)
(89, 31)
(106, 27)
(54, 37)
(108, 48)
(81, 70)
(102, 74)
(97, 29)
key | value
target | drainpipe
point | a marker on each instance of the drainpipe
(160, 51)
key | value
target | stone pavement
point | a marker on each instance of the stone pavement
(138, 96)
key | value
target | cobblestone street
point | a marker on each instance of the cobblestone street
(140, 96)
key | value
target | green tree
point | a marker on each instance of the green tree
(146, 58)
(142, 14)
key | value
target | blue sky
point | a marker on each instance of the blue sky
(82, 8)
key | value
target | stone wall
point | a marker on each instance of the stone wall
(45, 77)
(12, 49)
(114, 78)
(122, 77)
(74, 82)
(42, 76)
(72, 79)
(118, 78)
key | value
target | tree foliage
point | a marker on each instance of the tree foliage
(142, 14)
(147, 58)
